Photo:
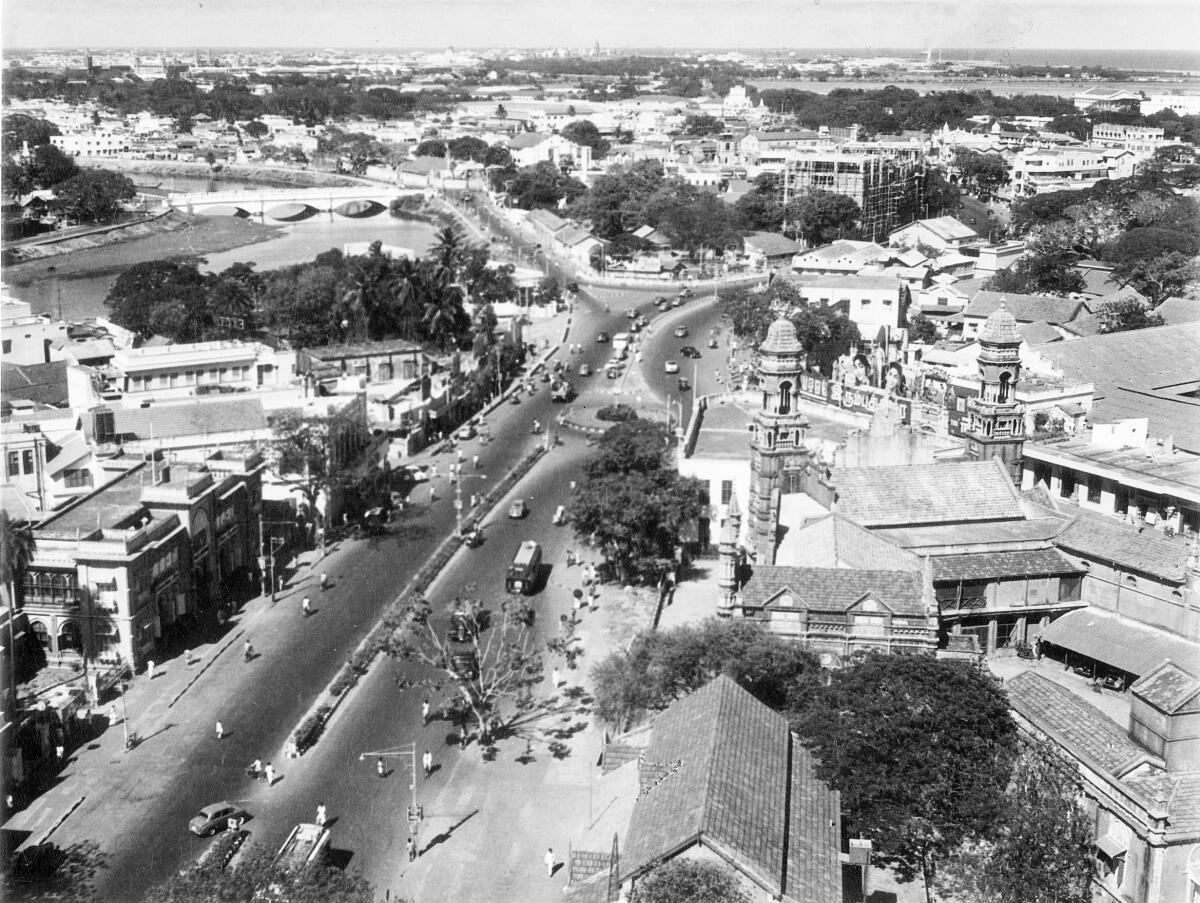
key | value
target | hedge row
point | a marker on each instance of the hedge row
(309, 731)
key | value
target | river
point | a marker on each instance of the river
(82, 296)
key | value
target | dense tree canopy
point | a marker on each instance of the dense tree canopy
(983, 172)
(920, 749)
(1049, 272)
(1124, 314)
(543, 185)
(632, 505)
(93, 195)
(584, 132)
(820, 217)
(21, 129)
(688, 881)
(661, 666)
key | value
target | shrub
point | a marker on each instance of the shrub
(345, 679)
(311, 727)
(617, 413)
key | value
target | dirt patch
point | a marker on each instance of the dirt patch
(173, 235)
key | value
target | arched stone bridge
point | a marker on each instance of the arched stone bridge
(291, 204)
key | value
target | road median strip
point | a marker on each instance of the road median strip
(312, 725)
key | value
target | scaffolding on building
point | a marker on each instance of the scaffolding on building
(887, 187)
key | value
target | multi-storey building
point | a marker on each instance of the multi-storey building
(886, 184)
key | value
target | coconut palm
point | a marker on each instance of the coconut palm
(17, 546)
(445, 317)
(448, 249)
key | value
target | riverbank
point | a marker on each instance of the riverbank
(174, 234)
(268, 176)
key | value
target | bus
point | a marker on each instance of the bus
(523, 573)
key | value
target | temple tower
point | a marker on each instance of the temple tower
(995, 419)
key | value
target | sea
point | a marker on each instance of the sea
(1129, 60)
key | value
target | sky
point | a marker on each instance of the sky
(991, 24)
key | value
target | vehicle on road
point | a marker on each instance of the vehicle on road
(620, 342)
(635, 326)
(612, 373)
(561, 392)
(712, 342)
(602, 337)
(690, 351)
(585, 369)
(678, 302)
(516, 398)
(662, 299)
(686, 292)
(615, 362)
(683, 384)
(681, 331)
(572, 287)
(308, 843)
(671, 367)
(631, 313)
(518, 509)
(522, 575)
(418, 473)
(560, 516)
(466, 431)
(214, 818)
(544, 376)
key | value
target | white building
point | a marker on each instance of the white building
(200, 368)
(26, 337)
(1182, 104)
(92, 144)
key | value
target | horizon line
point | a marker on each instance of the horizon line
(608, 50)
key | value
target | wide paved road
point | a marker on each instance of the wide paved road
(144, 802)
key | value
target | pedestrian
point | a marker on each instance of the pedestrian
(58, 752)
(112, 714)
(427, 762)
(279, 583)
(220, 731)
(187, 658)
(475, 461)
(411, 846)
(555, 677)
(433, 496)
(549, 860)
(425, 712)
(320, 815)
(572, 485)
(570, 557)
(433, 473)
(305, 607)
(379, 767)
(150, 669)
(324, 581)
(269, 771)
(248, 651)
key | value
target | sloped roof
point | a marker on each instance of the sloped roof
(1039, 333)
(527, 139)
(1168, 687)
(573, 235)
(424, 165)
(1002, 565)
(1080, 727)
(946, 228)
(1177, 310)
(771, 243)
(838, 541)
(1131, 646)
(726, 757)
(1157, 356)
(1113, 541)
(925, 494)
(1168, 415)
(195, 418)
(826, 589)
(39, 383)
(1024, 308)
(547, 220)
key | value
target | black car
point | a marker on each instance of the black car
(690, 351)
(683, 384)
(572, 287)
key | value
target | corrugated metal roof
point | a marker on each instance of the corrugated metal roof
(1128, 645)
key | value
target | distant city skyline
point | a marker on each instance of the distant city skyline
(990, 25)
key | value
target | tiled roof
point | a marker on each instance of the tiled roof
(993, 533)
(945, 227)
(1024, 308)
(39, 383)
(726, 757)
(1115, 542)
(1168, 414)
(1127, 645)
(1168, 687)
(999, 565)
(839, 542)
(903, 495)
(573, 235)
(837, 590)
(771, 243)
(195, 418)
(527, 139)
(1177, 310)
(1081, 728)
(1039, 333)
(547, 220)
(1158, 356)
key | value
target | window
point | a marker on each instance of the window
(77, 478)
(27, 460)
(785, 397)
(14, 464)
(1093, 489)
(1130, 580)
(1070, 588)
(42, 634)
(7, 346)
(726, 491)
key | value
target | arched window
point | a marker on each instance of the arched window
(69, 637)
(1130, 580)
(785, 397)
(42, 634)
(1005, 386)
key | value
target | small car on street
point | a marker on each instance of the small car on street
(214, 818)
(602, 337)
(670, 367)
(518, 509)
(683, 384)
(466, 431)
(585, 369)
(681, 331)
(690, 351)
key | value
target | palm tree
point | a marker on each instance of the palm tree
(448, 249)
(445, 318)
(17, 546)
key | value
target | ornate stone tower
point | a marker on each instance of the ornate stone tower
(729, 558)
(778, 458)
(996, 420)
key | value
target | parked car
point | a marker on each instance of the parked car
(466, 431)
(585, 369)
(681, 331)
(686, 292)
(518, 509)
(712, 342)
(690, 351)
(612, 373)
(601, 338)
(678, 302)
(214, 818)
(631, 313)
(418, 473)
(683, 384)
(670, 367)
